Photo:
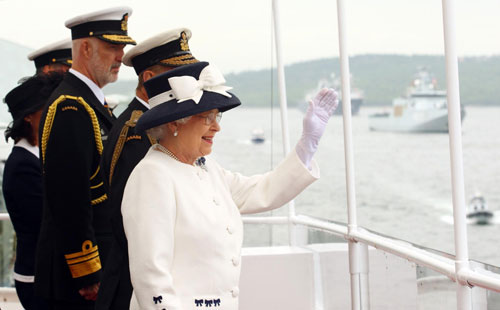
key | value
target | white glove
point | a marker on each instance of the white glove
(319, 111)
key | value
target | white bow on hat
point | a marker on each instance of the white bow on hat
(188, 88)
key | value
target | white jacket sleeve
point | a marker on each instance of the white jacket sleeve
(149, 214)
(273, 189)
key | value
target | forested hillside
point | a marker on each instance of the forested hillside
(381, 77)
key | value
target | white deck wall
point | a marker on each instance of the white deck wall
(283, 278)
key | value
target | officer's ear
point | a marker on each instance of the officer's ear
(147, 74)
(87, 48)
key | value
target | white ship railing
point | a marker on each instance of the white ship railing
(459, 269)
(438, 263)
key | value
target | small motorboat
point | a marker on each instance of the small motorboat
(258, 136)
(478, 210)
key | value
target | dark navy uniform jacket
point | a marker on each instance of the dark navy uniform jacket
(75, 234)
(22, 190)
(120, 157)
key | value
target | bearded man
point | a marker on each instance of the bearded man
(75, 233)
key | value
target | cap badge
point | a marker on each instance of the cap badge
(124, 22)
(184, 42)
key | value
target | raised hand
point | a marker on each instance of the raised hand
(314, 124)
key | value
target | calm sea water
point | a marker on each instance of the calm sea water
(403, 181)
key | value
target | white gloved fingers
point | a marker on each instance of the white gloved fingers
(320, 95)
(325, 103)
(329, 100)
(333, 106)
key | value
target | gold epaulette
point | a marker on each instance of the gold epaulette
(51, 114)
(85, 262)
(122, 139)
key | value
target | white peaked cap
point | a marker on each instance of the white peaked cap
(115, 13)
(59, 45)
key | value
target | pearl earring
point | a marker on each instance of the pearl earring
(175, 133)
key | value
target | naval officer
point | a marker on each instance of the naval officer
(52, 57)
(126, 147)
(75, 232)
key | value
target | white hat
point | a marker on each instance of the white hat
(170, 48)
(109, 25)
(57, 52)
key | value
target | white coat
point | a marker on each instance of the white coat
(185, 232)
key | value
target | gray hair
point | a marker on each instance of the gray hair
(160, 132)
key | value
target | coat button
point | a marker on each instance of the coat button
(236, 261)
(235, 292)
(230, 230)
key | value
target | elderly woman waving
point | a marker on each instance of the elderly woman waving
(182, 211)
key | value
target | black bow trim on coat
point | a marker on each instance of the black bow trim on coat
(207, 302)
(157, 300)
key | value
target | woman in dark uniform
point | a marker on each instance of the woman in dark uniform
(22, 178)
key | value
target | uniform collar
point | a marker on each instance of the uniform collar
(93, 86)
(27, 146)
(143, 102)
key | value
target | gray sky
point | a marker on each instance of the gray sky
(236, 35)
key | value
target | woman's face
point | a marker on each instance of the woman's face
(34, 120)
(195, 137)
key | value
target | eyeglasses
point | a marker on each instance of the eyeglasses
(210, 118)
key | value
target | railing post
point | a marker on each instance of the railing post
(464, 296)
(284, 111)
(358, 268)
(358, 253)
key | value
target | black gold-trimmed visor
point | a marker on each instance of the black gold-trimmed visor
(117, 39)
(112, 31)
(59, 56)
(179, 60)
